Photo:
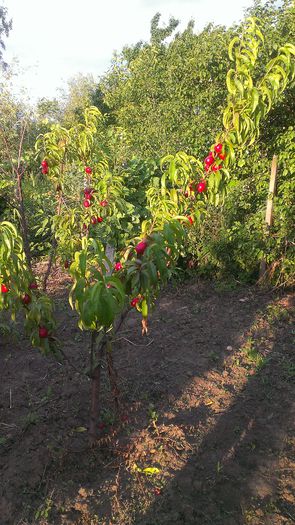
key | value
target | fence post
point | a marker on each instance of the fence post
(269, 206)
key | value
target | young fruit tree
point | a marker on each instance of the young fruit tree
(114, 262)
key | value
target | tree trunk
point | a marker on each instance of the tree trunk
(113, 376)
(53, 247)
(95, 374)
(23, 221)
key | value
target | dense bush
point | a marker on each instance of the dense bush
(234, 239)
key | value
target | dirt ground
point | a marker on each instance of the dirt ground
(207, 407)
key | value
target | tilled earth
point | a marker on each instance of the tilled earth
(205, 433)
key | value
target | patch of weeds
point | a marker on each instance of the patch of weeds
(271, 507)
(152, 414)
(253, 355)
(266, 381)
(252, 445)
(47, 395)
(144, 396)
(43, 512)
(237, 362)
(4, 329)
(276, 312)
(288, 369)
(31, 419)
(214, 356)
(196, 309)
(219, 467)
(225, 286)
(108, 417)
(78, 337)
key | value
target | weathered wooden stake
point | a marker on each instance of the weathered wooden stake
(269, 206)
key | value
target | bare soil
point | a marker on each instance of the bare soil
(207, 407)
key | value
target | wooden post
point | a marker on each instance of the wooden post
(269, 206)
(271, 191)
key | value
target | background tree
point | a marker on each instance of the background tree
(168, 96)
(48, 110)
(76, 98)
(5, 27)
(15, 118)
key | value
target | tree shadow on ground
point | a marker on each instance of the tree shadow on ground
(178, 376)
(238, 474)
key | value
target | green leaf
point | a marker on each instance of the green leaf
(231, 86)
(233, 42)
(254, 99)
(151, 471)
(80, 429)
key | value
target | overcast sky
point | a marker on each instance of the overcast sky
(54, 40)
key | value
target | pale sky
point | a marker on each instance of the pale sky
(56, 39)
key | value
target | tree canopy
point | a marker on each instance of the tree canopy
(5, 27)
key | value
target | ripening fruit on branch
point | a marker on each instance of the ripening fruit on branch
(103, 203)
(218, 148)
(44, 171)
(93, 220)
(33, 286)
(99, 219)
(118, 266)
(26, 299)
(134, 302)
(222, 156)
(67, 264)
(88, 170)
(44, 164)
(86, 203)
(209, 160)
(191, 220)
(186, 194)
(85, 228)
(43, 332)
(4, 288)
(216, 167)
(201, 186)
(141, 247)
(88, 193)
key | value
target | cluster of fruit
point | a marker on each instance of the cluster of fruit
(87, 202)
(140, 249)
(212, 161)
(26, 299)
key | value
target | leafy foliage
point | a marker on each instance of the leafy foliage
(16, 291)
